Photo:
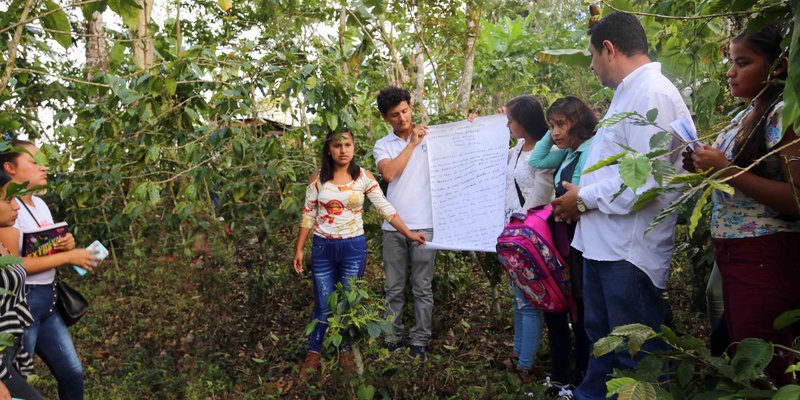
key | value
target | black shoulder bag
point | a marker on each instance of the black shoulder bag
(70, 303)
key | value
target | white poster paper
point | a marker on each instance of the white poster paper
(468, 178)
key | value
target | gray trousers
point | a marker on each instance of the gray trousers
(398, 254)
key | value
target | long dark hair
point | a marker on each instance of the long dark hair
(529, 113)
(11, 156)
(4, 178)
(326, 171)
(581, 118)
(750, 140)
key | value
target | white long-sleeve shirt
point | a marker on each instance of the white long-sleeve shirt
(610, 230)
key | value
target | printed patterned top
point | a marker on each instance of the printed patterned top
(741, 216)
(334, 211)
(14, 315)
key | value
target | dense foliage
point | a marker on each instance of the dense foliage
(212, 140)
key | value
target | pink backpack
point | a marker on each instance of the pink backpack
(528, 254)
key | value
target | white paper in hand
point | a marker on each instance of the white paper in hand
(684, 127)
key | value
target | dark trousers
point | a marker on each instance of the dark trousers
(14, 381)
(759, 283)
(558, 329)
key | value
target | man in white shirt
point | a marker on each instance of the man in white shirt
(625, 271)
(402, 159)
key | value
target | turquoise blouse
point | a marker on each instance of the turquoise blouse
(544, 156)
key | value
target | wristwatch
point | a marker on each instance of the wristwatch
(581, 205)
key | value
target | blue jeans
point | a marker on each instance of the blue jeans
(50, 337)
(527, 329)
(616, 293)
(332, 261)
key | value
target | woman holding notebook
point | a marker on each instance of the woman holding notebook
(47, 335)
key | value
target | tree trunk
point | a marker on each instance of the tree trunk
(143, 45)
(12, 47)
(419, 92)
(473, 31)
(342, 31)
(178, 34)
(96, 46)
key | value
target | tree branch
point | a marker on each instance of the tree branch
(24, 21)
(709, 16)
(12, 48)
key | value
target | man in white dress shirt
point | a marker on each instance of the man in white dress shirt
(402, 159)
(625, 271)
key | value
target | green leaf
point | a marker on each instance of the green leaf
(117, 54)
(8, 260)
(606, 345)
(722, 187)
(646, 197)
(698, 210)
(154, 194)
(128, 10)
(332, 120)
(685, 372)
(89, 9)
(638, 391)
(373, 329)
(686, 178)
(691, 343)
(705, 101)
(6, 339)
(336, 340)
(152, 154)
(636, 334)
(657, 153)
(791, 94)
(634, 171)
(615, 385)
(140, 192)
(365, 392)
(651, 116)
(661, 170)
(786, 319)
(788, 392)
(614, 119)
(57, 24)
(574, 57)
(752, 356)
(310, 327)
(660, 139)
(603, 163)
(171, 86)
(669, 335)
(307, 70)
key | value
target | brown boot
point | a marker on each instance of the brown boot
(347, 363)
(309, 366)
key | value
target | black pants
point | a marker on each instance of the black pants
(558, 332)
(14, 381)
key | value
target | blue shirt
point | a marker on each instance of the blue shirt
(545, 157)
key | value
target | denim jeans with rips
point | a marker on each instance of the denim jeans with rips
(333, 261)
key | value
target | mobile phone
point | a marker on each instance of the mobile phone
(102, 253)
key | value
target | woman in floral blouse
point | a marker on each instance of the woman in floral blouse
(333, 210)
(756, 230)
